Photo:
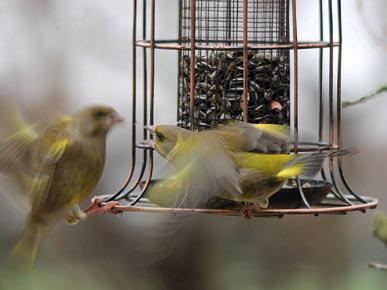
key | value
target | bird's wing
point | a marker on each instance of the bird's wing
(27, 154)
(14, 151)
(203, 169)
(282, 166)
(262, 138)
(39, 188)
(283, 130)
(21, 150)
(11, 120)
(274, 138)
(268, 164)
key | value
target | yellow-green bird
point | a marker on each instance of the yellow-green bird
(58, 163)
(380, 227)
(234, 135)
(224, 162)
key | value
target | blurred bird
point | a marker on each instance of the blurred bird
(58, 163)
(224, 162)
(380, 227)
(206, 153)
(380, 232)
(234, 135)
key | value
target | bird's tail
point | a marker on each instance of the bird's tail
(27, 247)
(309, 164)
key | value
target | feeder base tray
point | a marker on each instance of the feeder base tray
(287, 197)
(328, 206)
(285, 202)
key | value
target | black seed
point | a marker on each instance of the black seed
(219, 88)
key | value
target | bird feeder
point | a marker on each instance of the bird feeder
(234, 62)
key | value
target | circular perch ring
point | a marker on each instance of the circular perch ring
(323, 208)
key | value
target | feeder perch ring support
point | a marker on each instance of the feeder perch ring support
(325, 208)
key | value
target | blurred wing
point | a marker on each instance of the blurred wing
(262, 138)
(24, 148)
(11, 120)
(274, 138)
(15, 151)
(41, 183)
(204, 169)
(274, 129)
(27, 154)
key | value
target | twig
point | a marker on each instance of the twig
(382, 89)
(378, 266)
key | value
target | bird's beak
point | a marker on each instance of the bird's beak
(150, 143)
(116, 118)
(150, 129)
(146, 144)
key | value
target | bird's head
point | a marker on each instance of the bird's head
(165, 138)
(96, 121)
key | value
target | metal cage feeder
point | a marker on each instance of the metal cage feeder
(234, 62)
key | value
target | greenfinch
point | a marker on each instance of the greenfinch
(235, 135)
(380, 227)
(380, 232)
(224, 162)
(58, 163)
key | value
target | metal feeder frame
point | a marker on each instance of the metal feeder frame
(338, 202)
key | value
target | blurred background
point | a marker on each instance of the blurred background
(61, 55)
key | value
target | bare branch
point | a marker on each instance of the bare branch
(379, 91)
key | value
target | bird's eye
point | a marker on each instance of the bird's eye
(159, 136)
(100, 114)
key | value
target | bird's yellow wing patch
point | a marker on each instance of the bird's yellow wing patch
(292, 171)
(268, 163)
(303, 164)
(273, 128)
(58, 148)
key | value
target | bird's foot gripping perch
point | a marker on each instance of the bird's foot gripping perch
(99, 206)
(247, 210)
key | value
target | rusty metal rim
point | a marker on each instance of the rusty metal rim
(303, 146)
(174, 45)
(371, 204)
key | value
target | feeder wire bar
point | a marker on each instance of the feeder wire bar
(339, 108)
(134, 106)
(145, 111)
(295, 97)
(151, 101)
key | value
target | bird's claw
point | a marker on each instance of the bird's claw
(99, 206)
(71, 220)
(247, 211)
(75, 215)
